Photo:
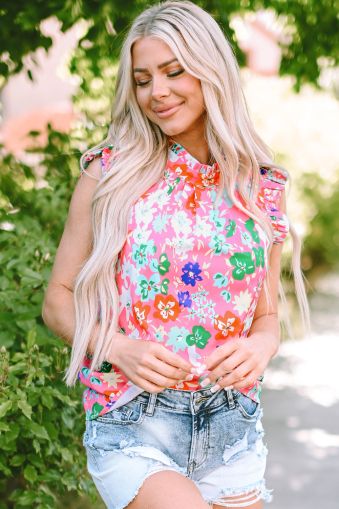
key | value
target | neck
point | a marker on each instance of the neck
(196, 146)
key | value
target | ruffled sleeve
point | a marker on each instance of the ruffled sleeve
(270, 200)
(104, 154)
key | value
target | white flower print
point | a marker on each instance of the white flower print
(140, 235)
(181, 223)
(125, 300)
(182, 246)
(202, 228)
(129, 270)
(144, 212)
(242, 302)
(112, 378)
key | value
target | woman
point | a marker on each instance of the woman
(166, 277)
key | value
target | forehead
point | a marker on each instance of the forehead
(150, 51)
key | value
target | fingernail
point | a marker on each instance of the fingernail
(189, 377)
(215, 388)
(205, 382)
(228, 388)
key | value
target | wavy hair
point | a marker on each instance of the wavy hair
(202, 49)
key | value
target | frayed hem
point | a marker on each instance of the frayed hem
(257, 490)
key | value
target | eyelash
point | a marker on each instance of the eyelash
(170, 75)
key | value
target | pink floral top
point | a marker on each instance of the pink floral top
(189, 274)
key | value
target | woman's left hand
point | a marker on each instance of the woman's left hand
(240, 361)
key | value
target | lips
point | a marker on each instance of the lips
(164, 111)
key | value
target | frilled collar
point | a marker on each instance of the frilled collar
(182, 164)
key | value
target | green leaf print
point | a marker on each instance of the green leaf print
(199, 337)
(251, 228)
(164, 264)
(243, 265)
(105, 367)
(259, 256)
(96, 409)
(171, 187)
(230, 228)
(95, 380)
(164, 286)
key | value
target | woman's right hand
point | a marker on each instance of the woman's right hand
(148, 364)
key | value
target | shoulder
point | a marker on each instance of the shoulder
(101, 154)
(273, 177)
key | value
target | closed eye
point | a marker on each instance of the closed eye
(170, 75)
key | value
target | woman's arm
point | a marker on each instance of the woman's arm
(58, 310)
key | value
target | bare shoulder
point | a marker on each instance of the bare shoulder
(76, 242)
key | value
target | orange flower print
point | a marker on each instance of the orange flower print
(167, 307)
(228, 325)
(191, 203)
(140, 312)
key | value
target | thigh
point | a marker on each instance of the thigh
(167, 489)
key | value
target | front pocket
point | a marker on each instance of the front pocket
(246, 405)
(130, 413)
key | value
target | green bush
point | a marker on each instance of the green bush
(41, 420)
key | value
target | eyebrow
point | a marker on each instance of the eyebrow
(160, 66)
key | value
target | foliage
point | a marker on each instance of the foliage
(41, 420)
(313, 27)
(321, 246)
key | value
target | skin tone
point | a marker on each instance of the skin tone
(161, 82)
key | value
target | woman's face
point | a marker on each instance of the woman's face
(166, 93)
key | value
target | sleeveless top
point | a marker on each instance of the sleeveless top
(190, 272)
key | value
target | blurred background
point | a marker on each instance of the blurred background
(58, 62)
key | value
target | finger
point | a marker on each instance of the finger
(173, 359)
(148, 386)
(157, 378)
(167, 370)
(227, 366)
(248, 381)
(238, 375)
(221, 353)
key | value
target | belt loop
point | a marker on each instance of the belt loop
(151, 404)
(231, 403)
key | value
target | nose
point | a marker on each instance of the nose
(159, 88)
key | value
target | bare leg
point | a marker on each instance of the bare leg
(168, 489)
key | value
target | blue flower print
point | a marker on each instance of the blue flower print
(142, 251)
(246, 239)
(185, 299)
(177, 338)
(218, 221)
(148, 288)
(219, 244)
(191, 273)
(160, 223)
(220, 280)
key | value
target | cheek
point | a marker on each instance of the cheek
(141, 96)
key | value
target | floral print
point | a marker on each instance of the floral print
(190, 272)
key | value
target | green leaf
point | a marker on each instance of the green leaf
(4, 408)
(30, 473)
(39, 431)
(25, 408)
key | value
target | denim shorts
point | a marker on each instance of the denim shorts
(214, 439)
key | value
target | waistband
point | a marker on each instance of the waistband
(187, 401)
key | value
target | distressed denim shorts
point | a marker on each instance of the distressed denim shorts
(215, 439)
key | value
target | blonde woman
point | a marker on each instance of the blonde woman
(166, 278)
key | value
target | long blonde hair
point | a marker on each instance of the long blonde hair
(201, 48)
